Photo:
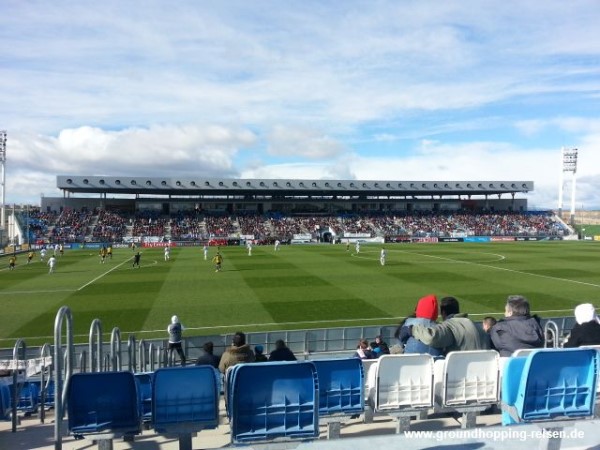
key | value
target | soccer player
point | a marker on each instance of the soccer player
(136, 260)
(249, 245)
(51, 263)
(217, 261)
(382, 256)
(42, 254)
(357, 247)
(102, 255)
(61, 249)
(277, 244)
(205, 250)
(167, 253)
(30, 256)
(109, 251)
(12, 262)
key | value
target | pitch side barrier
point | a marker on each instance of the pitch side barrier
(433, 240)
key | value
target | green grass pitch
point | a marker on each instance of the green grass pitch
(298, 287)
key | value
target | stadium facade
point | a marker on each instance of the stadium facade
(288, 196)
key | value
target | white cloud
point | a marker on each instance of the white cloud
(234, 88)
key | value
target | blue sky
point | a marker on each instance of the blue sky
(391, 90)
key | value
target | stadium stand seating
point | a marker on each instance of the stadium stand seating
(103, 405)
(400, 386)
(273, 402)
(341, 391)
(185, 400)
(5, 402)
(467, 382)
(550, 384)
(144, 385)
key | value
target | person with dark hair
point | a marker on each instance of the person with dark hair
(456, 332)
(587, 329)
(281, 352)
(363, 350)
(238, 352)
(488, 323)
(518, 329)
(207, 357)
(260, 356)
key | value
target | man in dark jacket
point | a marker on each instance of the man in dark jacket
(518, 329)
(281, 352)
(207, 357)
(587, 329)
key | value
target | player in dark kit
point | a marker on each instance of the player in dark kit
(136, 260)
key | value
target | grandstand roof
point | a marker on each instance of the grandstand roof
(183, 186)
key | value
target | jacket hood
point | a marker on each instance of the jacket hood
(585, 313)
(427, 308)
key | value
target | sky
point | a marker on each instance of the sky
(369, 90)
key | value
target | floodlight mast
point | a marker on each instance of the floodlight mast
(3, 181)
(569, 165)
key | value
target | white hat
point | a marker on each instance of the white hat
(585, 313)
(174, 319)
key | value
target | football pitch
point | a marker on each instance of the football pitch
(297, 287)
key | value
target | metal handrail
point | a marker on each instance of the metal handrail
(20, 349)
(45, 352)
(131, 354)
(551, 327)
(61, 391)
(95, 331)
(143, 357)
(115, 349)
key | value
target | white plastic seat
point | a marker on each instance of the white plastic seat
(468, 382)
(401, 386)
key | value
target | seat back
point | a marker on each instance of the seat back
(273, 401)
(403, 382)
(470, 378)
(185, 399)
(553, 384)
(144, 382)
(103, 403)
(341, 386)
(4, 402)
(29, 397)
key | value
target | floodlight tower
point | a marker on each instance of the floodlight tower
(569, 165)
(2, 181)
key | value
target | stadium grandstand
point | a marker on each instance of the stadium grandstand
(134, 209)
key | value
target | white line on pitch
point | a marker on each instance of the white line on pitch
(503, 268)
(35, 292)
(104, 274)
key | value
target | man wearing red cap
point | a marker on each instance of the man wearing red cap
(426, 314)
(456, 332)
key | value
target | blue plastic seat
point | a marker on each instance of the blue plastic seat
(273, 401)
(4, 402)
(185, 399)
(549, 384)
(103, 405)
(29, 398)
(341, 386)
(144, 382)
